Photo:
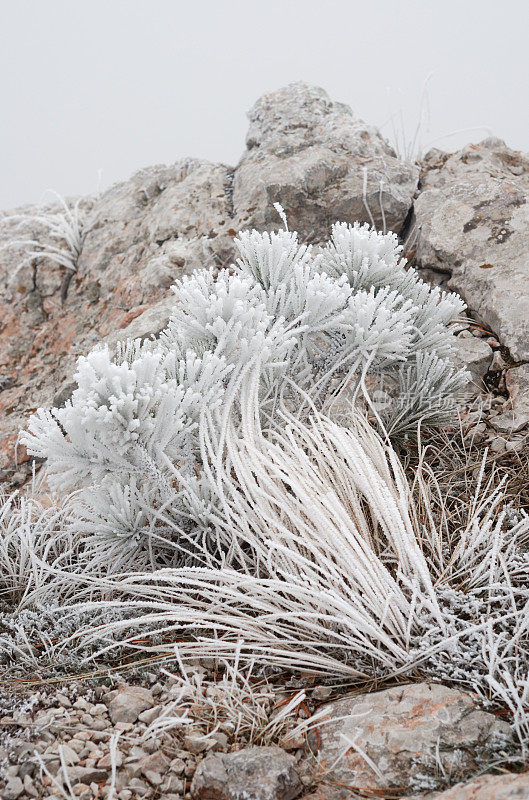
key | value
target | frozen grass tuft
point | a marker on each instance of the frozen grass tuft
(235, 492)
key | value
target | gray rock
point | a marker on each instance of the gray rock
(509, 422)
(129, 703)
(134, 221)
(313, 155)
(388, 736)
(147, 325)
(256, 773)
(476, 356)
(83, 775)
(486, 787)
(472, 222)
(517, 384)
(150, 715)
(13, 789)
(195, 743)
(138, 237)
(473, 353)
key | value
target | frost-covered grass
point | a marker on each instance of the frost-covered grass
(328, 567)
(235, 492)
(52, 235)
(238, 703)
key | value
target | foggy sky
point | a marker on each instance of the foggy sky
(92, 91)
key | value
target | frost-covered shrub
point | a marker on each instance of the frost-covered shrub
(284, 327)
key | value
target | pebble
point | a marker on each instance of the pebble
(13, 789)
(195, 743)
(70, 755)
(153, 777)
(63, 700)
(177, 766)
(129, 703)
(29, 787)
(150, 714)
(105, 762)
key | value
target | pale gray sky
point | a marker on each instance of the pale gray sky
(103, 87)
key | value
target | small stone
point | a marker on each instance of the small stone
(81, 704)
(173, 784)
(69, 754)
(129, 703)
(190, 769)
(291, 742)
(80, 789)
(515, 445)
(150, 714)
(509, 422)
(195, 743)
(86, 775)
(63, 700)
(105, 762)
(473, 354)
(14, 788)
(153, 777)
(98, 725)
(177, 766)
(498, 445)
(29, 787)
(321, 693)
(220, 739)
(497, 363)
(139, 787)
(77, 745)
(99, 709)
(26, 769)
(157, 762)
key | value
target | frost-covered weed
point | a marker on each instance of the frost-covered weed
(63, 229)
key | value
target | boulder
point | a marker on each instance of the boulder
(255, 773)
(321, 163)
(471, 221)
(486, 787)
(405, 738)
